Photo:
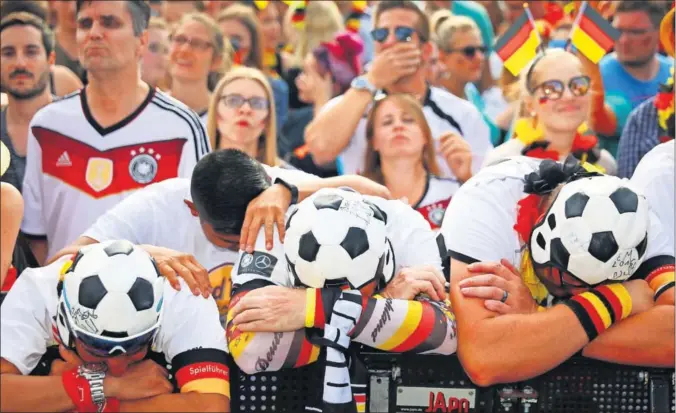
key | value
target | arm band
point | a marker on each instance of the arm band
(599, 308)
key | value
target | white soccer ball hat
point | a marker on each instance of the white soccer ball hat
(596, 229)
(338, 238)
(112, 290)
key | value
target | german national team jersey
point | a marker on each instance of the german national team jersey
(76, 169)
(434, 202)
(191, 337)
(654, 175)
(158, 215)
(479, 223)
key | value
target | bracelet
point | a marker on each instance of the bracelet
(599, 308)
(292, 188)
(77, 388)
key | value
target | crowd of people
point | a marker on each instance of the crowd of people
(157, 157)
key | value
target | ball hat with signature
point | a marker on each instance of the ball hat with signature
(667, 33)
(4, 158)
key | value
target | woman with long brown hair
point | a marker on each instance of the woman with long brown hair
(401, 155)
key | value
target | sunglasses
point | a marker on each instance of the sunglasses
(236, 101)
(401, 33)
(108, 346)
(195, 44)
(158, 48)
(553, 89)
(470, 51)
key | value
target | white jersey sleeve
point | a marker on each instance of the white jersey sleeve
(267, 267)
(292, 176)
(192, 154)
(413, 241)
(479, 137)
(33, 218)
(26, 317)
(144, 217)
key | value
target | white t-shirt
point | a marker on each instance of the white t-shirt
(434, 202)
(444, 112)
(77, 169)
(189, 323)
(413, 244)
(479, 223)
(654, 175)
(158, 215)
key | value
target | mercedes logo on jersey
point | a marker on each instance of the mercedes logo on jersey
(143, 168)
(263, 262)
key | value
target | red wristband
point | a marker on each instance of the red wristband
(112, 405)
(77, 388)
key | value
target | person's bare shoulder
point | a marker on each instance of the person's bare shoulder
(65, 81)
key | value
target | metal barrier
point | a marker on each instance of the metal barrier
(431, 384)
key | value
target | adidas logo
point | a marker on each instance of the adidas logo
(64, 160)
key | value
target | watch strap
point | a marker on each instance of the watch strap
(292, 188)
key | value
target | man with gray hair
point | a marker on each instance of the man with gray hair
(91, 149)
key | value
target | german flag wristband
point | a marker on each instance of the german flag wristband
(599, 308)
(319, 304)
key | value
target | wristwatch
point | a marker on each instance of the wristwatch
(362, 83)
(292, 188)
(94, 373)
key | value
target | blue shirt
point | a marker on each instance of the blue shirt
(280, 90)
(639, 136)
(474, 96)
(624, 93)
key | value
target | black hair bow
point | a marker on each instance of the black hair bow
(551, 174)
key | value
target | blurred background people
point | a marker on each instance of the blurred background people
(173, 10)
(64, 32)
(155, 62)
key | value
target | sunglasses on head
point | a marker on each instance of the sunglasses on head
(401, 33)
(236, 101)
(553, 89)
(470, 51)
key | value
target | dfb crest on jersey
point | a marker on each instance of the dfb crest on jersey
(143, 168)
(99, 173)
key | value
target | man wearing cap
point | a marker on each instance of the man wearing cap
(652, 122)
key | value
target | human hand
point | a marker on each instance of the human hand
(266, 209)
(402, 59)
(490, 283)
(269, 309)
(173, 264)
(642, 296)
(141, 380)
(69, 362)
(410, 282)
(458, 155)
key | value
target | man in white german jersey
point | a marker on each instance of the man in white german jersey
(91, 149)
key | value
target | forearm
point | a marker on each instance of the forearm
(518, 347)
(33, 394)
(325, 137)
(73, 248)
(178, 402)
(406, 326)
(646, 339)
(361, 184)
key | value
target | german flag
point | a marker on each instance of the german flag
(518, 46)
(593, 35)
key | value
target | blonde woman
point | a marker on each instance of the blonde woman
(155, 62)
(556, 95)
(322, 22)
(242, 115)
(197, 50)
(462, 51)
(241, 26)
(400, 155)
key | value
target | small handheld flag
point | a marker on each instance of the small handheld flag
(519, 45)
(353, 20)
(592, 35)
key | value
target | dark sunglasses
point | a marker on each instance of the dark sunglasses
(470, 51)
(401, 33)
(158, 48)
(236, 101)
(553, 89)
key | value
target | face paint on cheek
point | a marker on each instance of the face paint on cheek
(543, 100)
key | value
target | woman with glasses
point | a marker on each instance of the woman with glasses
(463, 52)
(198, 49)
(242, 115)
(401, 156)
(556, 95)
(155, 62)
(241, 26)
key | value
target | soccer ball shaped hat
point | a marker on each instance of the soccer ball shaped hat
(596, 230)
(337, 238)
(110, 299)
